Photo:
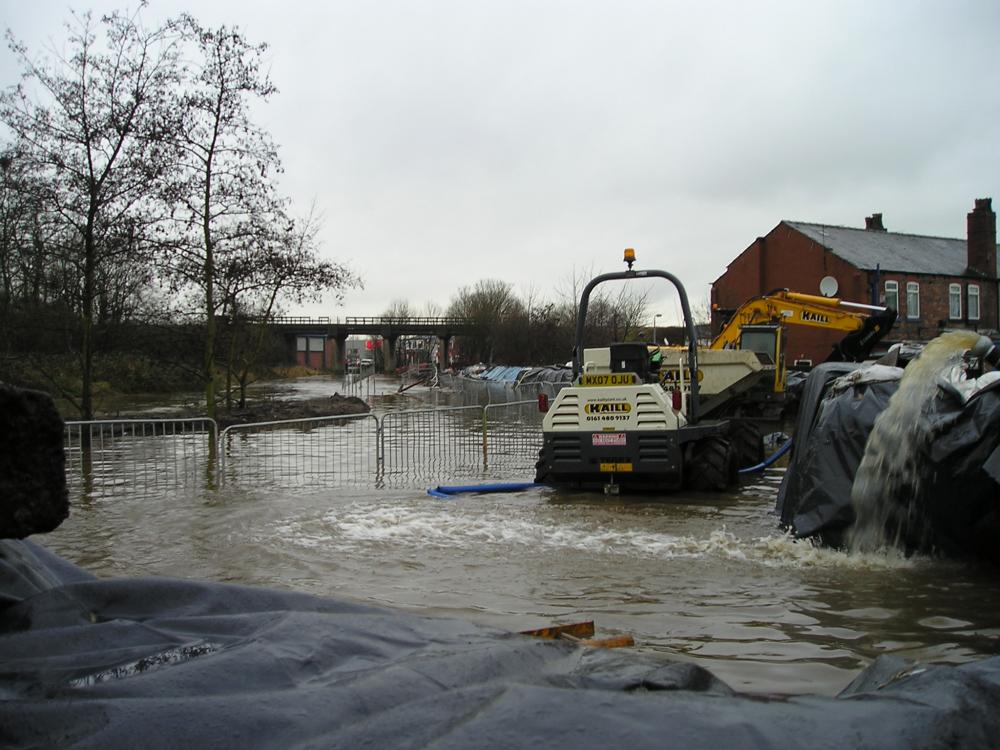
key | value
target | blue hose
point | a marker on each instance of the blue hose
(449, 492)
(446, 492)
(770, 459)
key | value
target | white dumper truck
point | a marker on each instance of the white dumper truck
(617, 427)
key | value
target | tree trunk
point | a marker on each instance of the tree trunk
(209, 362)
(87, 321)
(209, 279)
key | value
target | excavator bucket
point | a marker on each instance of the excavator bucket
(858, 345)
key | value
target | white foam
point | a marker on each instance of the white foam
(434, 527)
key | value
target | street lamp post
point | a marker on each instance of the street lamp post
(658, 315)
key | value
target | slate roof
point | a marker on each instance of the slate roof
(891, 251)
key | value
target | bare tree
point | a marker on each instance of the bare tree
(630, 305)
(90, 125)
(489, 305)
(22, 260)
(398, 311)
(701, 311)
(570, 289)
(222, 188)
(254, 282)
(33, 282)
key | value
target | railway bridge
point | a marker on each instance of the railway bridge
(322, 342)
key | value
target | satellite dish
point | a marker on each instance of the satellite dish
(828, 286)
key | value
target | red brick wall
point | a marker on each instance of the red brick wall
(320, 354)
(788, 259)
(934, 305)
(981, 228)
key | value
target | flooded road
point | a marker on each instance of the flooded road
(697, 577)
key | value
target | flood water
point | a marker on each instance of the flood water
(694, 577)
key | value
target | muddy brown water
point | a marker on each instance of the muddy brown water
(707, 578)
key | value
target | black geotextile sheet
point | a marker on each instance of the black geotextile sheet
(830, 436)
(161, 663)
(958, 490)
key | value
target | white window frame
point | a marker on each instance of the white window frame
(892, 295)
(955, 301)
(912, 300)
(975, 309)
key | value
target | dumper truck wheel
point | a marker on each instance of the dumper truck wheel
(711, 465)
(747, 442)
(541, 476)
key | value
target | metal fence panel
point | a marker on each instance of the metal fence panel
(318, 451)
(360, 382)
(432, 445)
(398, 449)
(135, 457)
(513, 437)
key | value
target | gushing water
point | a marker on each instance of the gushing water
(886, 489)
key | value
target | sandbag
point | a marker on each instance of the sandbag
(33, 497)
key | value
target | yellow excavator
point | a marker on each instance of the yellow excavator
(757, 326)
(743, 371)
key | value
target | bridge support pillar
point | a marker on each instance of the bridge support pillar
(444, 343)
(340, 351)
(389, 351)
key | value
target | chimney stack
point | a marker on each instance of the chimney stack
(873, 223)
(982, 239)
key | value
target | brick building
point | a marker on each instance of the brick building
(934, 283)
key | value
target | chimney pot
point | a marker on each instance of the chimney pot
(873, 223)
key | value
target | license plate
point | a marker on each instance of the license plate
(607, 438)
(613, 378)
(616, 468)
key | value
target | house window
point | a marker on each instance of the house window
(955, 301)
(912, 300)
(973, 302)
(892, 295)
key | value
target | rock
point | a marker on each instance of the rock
(33, 497)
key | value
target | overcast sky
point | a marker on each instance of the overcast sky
(448, 141)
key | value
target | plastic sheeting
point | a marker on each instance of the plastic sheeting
(815, 493)
(502, 374)
(519, 375)
(162, 663)
(958, 513)
(553, 374)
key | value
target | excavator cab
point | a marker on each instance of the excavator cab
(766, 342)
(763, 341)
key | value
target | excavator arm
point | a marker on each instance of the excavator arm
(864, 325)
